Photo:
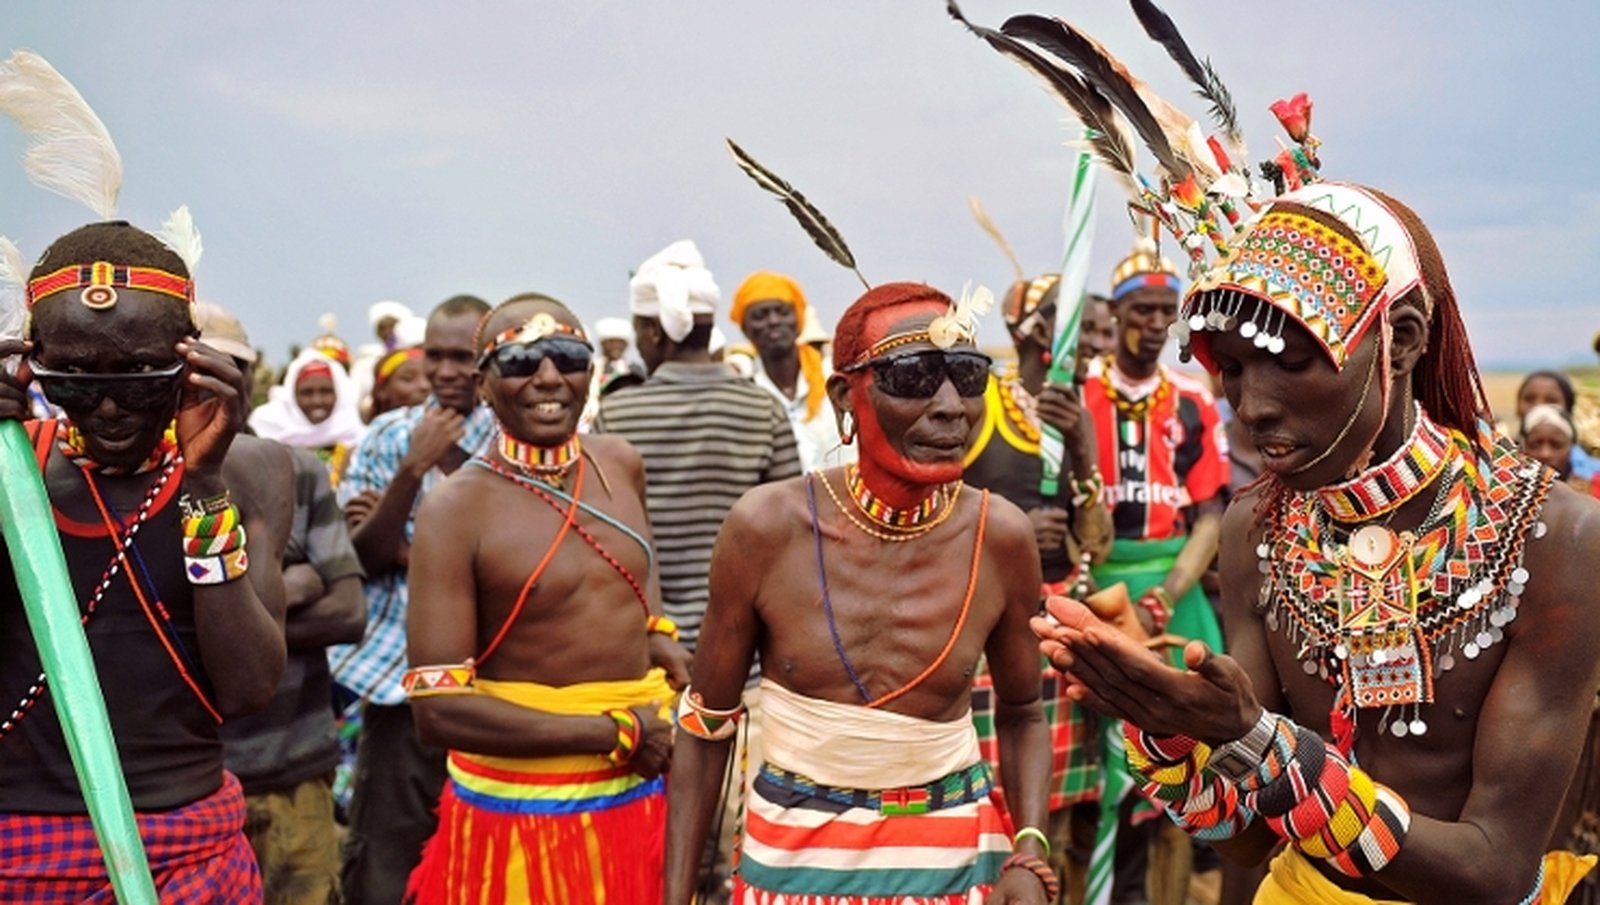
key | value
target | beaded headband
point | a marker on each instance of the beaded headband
(540, 326)
(958, 323)
(100, 280)
(1297, 264)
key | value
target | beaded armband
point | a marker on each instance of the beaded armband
(629, 734)
(1040, 869)
(1177, 777)
(213, 541)
(1314, 798)
(661, 625)
(219, 569)
(704, 723)
(443, 679)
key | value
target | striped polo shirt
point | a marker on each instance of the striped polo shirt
(706, 436)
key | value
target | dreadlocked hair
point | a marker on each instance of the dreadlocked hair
(479, 339)
(1445, 379)
(852, 338)
(116, 241)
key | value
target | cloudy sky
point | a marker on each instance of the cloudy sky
(335, 154)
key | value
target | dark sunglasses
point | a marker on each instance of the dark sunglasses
(133, 391)
(570, 356)
(921, 374)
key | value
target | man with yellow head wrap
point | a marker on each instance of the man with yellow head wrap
(770, 307)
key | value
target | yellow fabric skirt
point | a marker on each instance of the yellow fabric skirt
(1294, 881)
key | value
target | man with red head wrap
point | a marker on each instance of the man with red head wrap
(869, 592)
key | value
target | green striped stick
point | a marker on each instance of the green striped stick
(1115, 784)
(1069, 311)
(53, 617)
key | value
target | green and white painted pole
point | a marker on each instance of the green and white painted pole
(53, 617)
(1069, 310)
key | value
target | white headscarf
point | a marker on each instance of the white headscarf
(613, 328)
(672, 286)
(280, 417)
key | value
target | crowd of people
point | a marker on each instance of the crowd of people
(504, 606)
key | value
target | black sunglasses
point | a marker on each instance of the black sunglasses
(921, 374)
(570, 356)
(133, 390)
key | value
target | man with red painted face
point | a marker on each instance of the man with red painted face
(1410, 604)
(539, 654)
(869, 592)
(155, 498)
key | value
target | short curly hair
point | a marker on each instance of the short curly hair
(858, 330)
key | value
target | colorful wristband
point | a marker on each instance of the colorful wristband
(661, 625)
(1040, 869)
(443, 679)
(207, 570)
(704, 723)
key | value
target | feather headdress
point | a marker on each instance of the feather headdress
(961, 321)
(1159, 26)
(1108, 135)
(69, 150)
(988, 226)
(811, 220)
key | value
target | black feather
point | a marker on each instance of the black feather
(1105, 73)
(811, 220)
(1159, 25)
(1109, 137)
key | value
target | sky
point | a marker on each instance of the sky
(337, 154)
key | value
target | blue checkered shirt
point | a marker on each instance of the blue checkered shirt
(372, 669)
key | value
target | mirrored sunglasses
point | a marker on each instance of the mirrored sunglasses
(921, 374)
(133, 390)
(570, 356)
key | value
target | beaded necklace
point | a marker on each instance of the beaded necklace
(1385, 488)
(70, 442)
(1381, 616)
(532, 486)
(37, 688)
(542, 462)
(901, 538)
(1020, 406)
(933, 508)
(1138, 408)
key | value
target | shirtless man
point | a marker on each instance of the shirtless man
(1416, 595)
(540, 656)
(873, 786)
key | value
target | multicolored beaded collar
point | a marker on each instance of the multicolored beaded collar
(1386, 487)
(70, 442)
(1138, 408)
(99, 282)
(924, 516)
(1381, 615)
(542, 462)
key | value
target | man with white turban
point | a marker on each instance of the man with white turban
(706, 434)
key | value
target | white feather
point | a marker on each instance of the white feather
(178, 232)
(328, 322)
(69, 150)
(13, 282)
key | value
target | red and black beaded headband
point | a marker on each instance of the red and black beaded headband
(100, 281)
(540, 326)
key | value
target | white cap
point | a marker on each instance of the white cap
(672, 286)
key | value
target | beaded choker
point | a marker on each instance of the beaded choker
(1137, 408)
(1381, 615)
(72, 446)
(542, 462)
(923, 514)
(1385, 488)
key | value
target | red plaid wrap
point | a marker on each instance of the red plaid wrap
(198, 855)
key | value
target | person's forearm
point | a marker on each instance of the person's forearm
(485, 725)
(1024, 740)
(1195, 557)
(380, 538)
(337, 617)
(694, 795)
(302, 585)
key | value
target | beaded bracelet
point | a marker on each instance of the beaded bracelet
(1177, 774)
(208, 570)
(1040, 869)
(211, 523)
(216, 544)
(661, 625)
(629, 734)
(1158, 603)
(443, 679)
(704, 723)
(1089, 490)
(1032, 832)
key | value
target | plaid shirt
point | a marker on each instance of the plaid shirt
(372, 668)
(1074, 758)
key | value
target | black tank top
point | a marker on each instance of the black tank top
(168, 743)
